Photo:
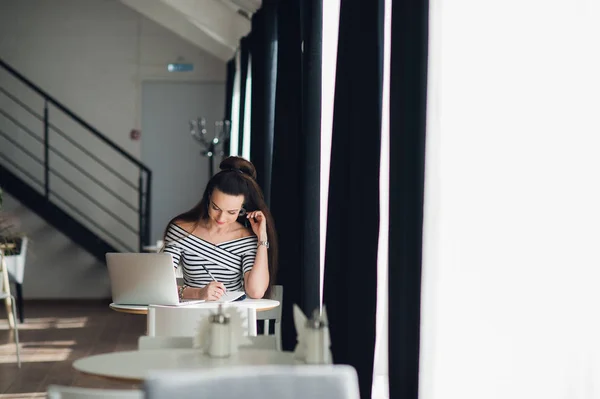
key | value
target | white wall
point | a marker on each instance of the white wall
(172, 196)
(92, 56)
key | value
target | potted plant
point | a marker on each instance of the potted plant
(15, 249)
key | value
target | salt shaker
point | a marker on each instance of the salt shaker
(317, 340)
(220, 334)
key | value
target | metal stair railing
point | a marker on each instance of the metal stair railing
(83, 165)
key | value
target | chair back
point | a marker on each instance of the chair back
(149, 343)
(9, 300)
(4, 282)
(183, 321)
(16, 263)
(275, 315)
(257, 382)
(62, 392)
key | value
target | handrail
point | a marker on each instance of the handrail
(92, 156)
(22, 104)
(61, 156)
(20, 147)
(92, 200)
(86, 217)
(26, 173)
(71, 114)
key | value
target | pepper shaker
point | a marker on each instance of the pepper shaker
(317, 340)
(220, 334)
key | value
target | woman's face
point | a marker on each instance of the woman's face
(223, 208)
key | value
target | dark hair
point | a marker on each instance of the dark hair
(237, 177)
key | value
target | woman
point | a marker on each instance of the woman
(227, 241)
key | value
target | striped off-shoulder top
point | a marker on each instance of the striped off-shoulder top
(226, 261)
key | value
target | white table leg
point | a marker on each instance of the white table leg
(251, 322)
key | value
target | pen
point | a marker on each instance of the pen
(209, 273)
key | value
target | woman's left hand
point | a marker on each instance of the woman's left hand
(258, 221)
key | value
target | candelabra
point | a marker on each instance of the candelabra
(210, 146)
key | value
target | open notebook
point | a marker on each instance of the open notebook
(184, 302)
(229, 296)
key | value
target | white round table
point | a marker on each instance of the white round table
(135, 365)
(259, 304)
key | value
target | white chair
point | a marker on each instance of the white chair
(7, 297)
(62, 392)
(273, 314)
(149, 343)
(183, 321)
(263, 342)
(256, 382)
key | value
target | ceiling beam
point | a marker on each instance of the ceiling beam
(215, 19)
(208, 24)
(248, 7)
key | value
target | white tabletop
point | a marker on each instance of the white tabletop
(258, 304)
(135, 365)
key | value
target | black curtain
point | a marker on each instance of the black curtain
(350, 290)
(244, 56)
(263, 52)
(408, 97)
(229, 99)
(296, 173)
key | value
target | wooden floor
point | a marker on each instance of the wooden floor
(53, 336)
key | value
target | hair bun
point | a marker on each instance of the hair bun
(239, 163)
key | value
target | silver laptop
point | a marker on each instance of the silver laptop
(143, 279)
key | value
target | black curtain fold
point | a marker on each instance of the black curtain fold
(350, 289)
(296, 157)
(286, 203)
(408, 106)
(244, 67)
(263, 50)
(312, 33)
(229, 100)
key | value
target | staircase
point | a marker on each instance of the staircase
(69, 173)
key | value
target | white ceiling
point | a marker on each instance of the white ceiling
(213, 25)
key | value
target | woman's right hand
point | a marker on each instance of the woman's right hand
(213, 291)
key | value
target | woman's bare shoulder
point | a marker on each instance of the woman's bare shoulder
(187, 226)
(244, 231)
